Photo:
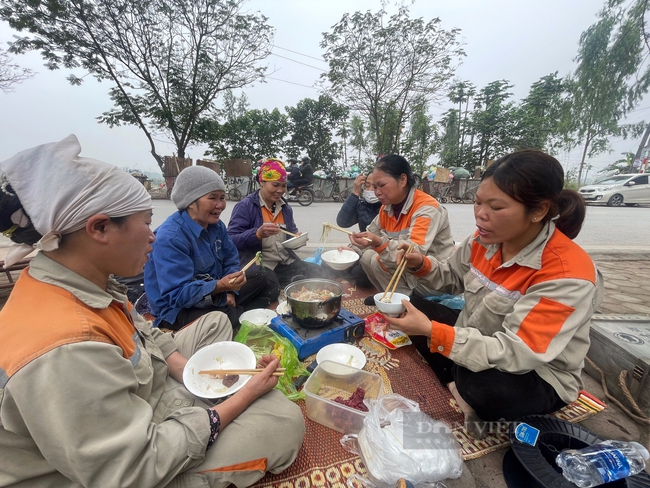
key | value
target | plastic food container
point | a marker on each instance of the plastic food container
(322, 388)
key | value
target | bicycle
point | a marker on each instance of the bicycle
(443, 194)
(470, 194)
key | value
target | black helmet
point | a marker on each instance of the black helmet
(292, 160)
(306, 159)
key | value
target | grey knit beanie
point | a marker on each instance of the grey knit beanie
(194, 182)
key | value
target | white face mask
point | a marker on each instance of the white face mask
(370, 197)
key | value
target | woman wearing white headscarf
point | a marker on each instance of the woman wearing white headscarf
(90, 394)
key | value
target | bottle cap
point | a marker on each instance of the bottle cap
(641, 448)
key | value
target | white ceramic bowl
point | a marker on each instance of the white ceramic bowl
(395, 307)
(283, 308)
(222, 355)
(258, 316)
(340, 259)
(296, 242)
(341, 354)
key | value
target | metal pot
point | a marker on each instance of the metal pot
(312, 315)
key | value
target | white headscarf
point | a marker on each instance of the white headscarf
(60, 191)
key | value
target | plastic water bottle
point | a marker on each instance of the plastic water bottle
(602, 463)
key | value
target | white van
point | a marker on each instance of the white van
(619, 189)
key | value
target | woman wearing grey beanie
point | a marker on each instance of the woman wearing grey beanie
(194, 266)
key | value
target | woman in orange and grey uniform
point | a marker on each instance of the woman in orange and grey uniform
(518, 345)
(406, 214)
(90, 393)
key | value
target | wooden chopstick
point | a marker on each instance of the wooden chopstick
(398, 274)
(243, 270)
(289, 233)
(341, 229)
(400, 271)
(277, 372)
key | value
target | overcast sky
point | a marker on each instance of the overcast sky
(516, 40)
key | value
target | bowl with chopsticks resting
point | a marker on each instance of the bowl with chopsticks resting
(390, 305)
(340, 260)
(201, 374)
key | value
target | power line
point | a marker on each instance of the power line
(305, 55)
(299, 62)
(293, 83)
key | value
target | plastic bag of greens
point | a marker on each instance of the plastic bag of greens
(262, 340)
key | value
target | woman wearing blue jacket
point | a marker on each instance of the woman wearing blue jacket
(194, 266)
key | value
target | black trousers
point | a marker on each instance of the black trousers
(493, 394)
(254, 294)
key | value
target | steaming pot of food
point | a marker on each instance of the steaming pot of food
(314, 303)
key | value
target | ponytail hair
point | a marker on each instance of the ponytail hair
(531, 177)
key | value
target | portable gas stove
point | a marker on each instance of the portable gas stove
(346, 327)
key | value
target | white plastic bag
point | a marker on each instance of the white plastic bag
(399, 441)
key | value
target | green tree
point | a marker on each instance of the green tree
(420, 141)
(168, 60)
(448, 142)
(540, 118)
(491, 123)
(358, 137)
(234, 107)
(313, 124)
(256, 134)
(605, 86)
(384, 68)
(461, 93)
(10, 73)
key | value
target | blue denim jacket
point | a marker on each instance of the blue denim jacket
(185, 264)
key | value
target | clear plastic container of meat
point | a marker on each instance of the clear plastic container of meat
(342, 382)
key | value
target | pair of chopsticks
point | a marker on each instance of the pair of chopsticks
(256, 259)
(396, 277)
(341, 229)
(288, 233)
(222, 372)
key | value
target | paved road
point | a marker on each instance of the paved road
(604, 226)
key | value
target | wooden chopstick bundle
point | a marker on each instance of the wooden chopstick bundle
(398, 274)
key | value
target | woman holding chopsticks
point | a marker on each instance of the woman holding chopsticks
(262, 222)
(91, 393)
(194, 266)
(518, 346)
(407, 214)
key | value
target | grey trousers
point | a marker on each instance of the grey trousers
(266, 437)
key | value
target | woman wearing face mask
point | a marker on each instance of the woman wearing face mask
(518, 346)
(91, 394)
(360, 207)
(406, 215)
(193, 261)
(255, 226)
